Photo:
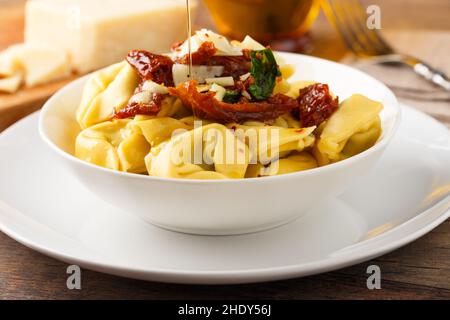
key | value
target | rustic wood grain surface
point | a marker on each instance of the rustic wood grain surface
(420, 270)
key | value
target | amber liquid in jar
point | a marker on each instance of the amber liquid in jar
(268, 21)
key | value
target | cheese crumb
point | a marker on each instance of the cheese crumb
(222, 81)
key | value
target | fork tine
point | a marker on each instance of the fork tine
(360, 18)
(334, 14)
(350, 19)
(355, 27)
(358, 29)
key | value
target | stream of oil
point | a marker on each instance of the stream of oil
(189, 31)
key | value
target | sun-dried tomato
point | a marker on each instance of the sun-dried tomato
(150, 109)
(151, 66)
(206, 106)
(316, 105)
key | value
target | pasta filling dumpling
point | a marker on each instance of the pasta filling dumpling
(297, 161)
(267, 143)
(207, 152)
(287, 121)
(294, 88)
(107, 90)
(352, 129)
(157, 130)
(113, 145)
(173, 107)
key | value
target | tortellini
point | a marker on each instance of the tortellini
(113, 145)
(207, 152)
(267, 142)
(175, 144)
(123, 144)
(157, 130)
(107, 90)
(172, 107)
(353, 128)
(295, 87)
(292, 163)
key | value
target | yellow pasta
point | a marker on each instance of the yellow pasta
(292, 163)
(208, 148)
(287, 121)
(98, 144)
(283, 86)
(363, 139)
(113, 145)
(172, 107)
(287, 71)
(164, 138)
(353, 128)
(296, 86)
(132, 151)
(266, 142)
(107, 90)
(157, 130)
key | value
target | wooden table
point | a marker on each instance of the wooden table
(420, 270)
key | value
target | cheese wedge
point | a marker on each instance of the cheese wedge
(8, 65)
(100, 33)
(39, 63)
(10, 84)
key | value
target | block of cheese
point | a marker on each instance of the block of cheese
(99, 33)
(37, 63)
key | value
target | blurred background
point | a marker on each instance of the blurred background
(415, 27)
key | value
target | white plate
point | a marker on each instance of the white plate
(406, 196)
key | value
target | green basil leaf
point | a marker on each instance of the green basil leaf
(265, 72)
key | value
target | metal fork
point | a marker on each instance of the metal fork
(349, 18)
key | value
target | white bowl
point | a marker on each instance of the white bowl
(223, 207)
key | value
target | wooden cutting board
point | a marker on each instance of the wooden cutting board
(17, 105)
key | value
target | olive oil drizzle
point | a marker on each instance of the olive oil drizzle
(189, 31)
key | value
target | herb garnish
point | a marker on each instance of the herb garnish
(265, 72)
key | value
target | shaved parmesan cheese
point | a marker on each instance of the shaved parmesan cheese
(245, 76)
(246, 95)
(223, 46)
(154, 87)
(142, 97)
(203, 88)
(223, 81)
(219, 90)
(199, 73)
(280, 61)
(10, 84)
(251, 44)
